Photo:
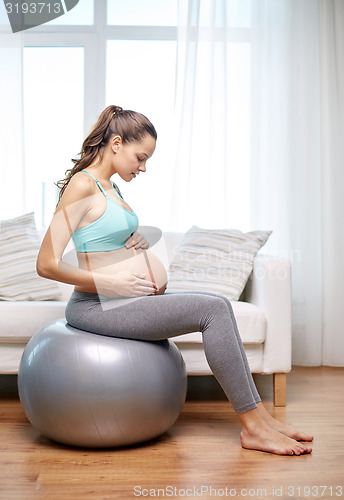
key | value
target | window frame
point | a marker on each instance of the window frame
(94, 38)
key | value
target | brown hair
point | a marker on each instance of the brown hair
(129, 125)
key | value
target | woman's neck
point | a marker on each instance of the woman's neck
(103, 170)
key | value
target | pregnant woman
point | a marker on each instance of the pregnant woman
(120, 286)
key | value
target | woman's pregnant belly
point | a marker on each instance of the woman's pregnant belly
(136, 261)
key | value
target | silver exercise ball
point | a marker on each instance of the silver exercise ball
(88, 390)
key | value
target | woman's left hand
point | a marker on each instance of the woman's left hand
(137, 240)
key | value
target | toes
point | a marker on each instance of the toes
(306, 449)
(300, 449)
(304, 437)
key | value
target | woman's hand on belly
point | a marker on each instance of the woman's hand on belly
(115, 276)
(124, 284)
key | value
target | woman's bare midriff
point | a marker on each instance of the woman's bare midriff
(136, 261)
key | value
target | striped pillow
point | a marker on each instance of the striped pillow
(215, 260)
(19, 246)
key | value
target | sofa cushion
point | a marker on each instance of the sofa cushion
(215, 260)
(19, 246)
(20, 320)
(197, 364)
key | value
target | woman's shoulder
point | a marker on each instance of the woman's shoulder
(80, 187)
(81, 184)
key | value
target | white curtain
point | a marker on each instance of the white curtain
(294, 147)
(212, 104)
(12, 171)
(332, 178)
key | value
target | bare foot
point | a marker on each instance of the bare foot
(282, 427)
(268, 439)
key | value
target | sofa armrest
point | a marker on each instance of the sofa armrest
(269, 287)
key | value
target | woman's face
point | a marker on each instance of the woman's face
(130, 159)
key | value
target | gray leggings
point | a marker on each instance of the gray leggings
(158, 317)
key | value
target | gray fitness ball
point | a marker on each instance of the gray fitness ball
(88, 390)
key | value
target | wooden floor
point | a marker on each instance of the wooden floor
(200, 456)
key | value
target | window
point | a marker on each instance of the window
(81, 68)
(140, 76)
(77, 63)
(53, 83)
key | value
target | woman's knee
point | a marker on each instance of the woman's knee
(219, 296)
(213, 309)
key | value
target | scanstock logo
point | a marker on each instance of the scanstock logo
(25, 15)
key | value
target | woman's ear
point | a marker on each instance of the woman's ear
(116, 142)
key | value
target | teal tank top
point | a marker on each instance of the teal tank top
(110, 231)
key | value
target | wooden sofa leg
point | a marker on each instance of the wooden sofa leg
(280, 389)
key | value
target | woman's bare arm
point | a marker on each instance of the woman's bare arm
(74, 204)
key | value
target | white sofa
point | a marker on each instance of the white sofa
(263, 314)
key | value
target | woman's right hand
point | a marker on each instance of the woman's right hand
(124, 284)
